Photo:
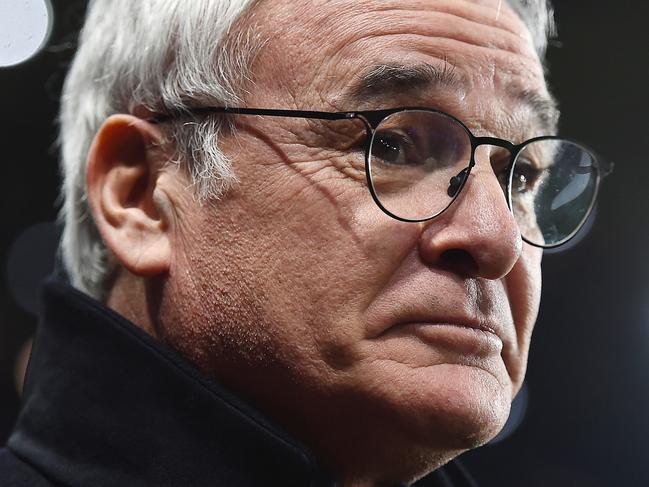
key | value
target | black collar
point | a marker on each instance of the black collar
(107, 404)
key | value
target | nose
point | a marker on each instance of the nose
(477, 236)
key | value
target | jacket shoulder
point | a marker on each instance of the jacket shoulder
(16, 473)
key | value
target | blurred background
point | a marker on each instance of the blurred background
(582, 416)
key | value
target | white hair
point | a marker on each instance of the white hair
(538, 16)
(165, 56)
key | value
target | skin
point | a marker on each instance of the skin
(354, 331)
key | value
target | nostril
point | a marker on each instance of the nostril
(459, 261)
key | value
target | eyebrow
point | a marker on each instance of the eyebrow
(396, 80)
(545, 108)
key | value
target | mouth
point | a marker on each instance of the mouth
(465, 337)
(470, 325)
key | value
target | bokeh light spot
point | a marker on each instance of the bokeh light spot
(25, 26)
(31, 259)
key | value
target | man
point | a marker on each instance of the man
(306, 240)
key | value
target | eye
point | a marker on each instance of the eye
(526, 176)
(392, 147)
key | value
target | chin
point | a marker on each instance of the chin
(434, 424)
(456, 408)
(404, 422)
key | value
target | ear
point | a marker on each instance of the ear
(122, 177)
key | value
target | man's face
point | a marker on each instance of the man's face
(379, 343)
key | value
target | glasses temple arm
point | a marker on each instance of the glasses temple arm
(268, 112)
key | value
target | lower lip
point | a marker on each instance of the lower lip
(460, 338)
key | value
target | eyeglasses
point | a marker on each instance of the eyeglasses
(418, 160)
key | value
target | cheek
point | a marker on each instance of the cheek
(335, 258)
(302, 254)
(524, 289)
(531, 277)
(330, 270)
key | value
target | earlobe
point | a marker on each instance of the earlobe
(122, 177)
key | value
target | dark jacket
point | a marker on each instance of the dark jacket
(105, 404)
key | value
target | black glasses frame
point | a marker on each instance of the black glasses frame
(373, 118)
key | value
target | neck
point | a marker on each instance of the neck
(132, 298)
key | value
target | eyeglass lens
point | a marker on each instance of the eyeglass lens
(418, 161)
(413, 156)
(553, 187)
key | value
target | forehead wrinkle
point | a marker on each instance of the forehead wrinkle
(458, 27)
(473, 66)
(360, 27)
(351, 38)
(474, 23)
(477, 11)
(361, 35)
(340, 19)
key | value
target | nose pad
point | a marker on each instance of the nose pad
(456, 182)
